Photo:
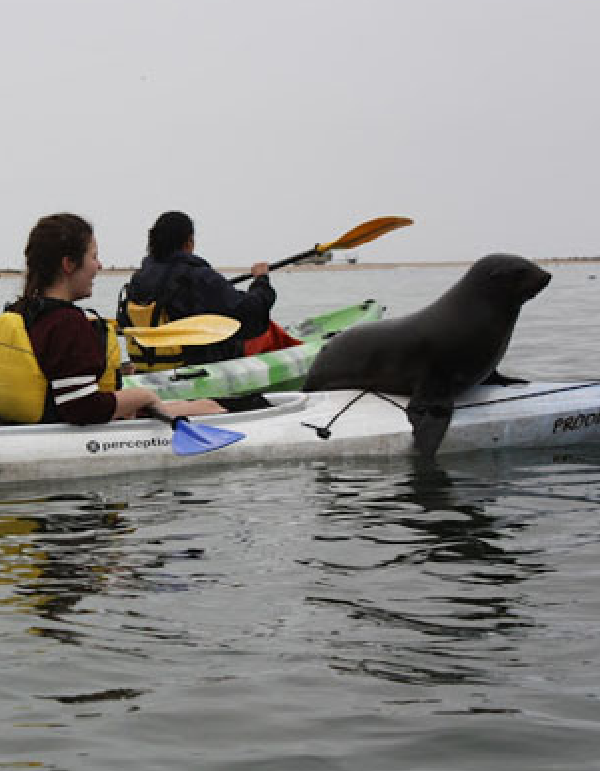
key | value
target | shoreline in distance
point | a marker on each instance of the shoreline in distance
(344, 266)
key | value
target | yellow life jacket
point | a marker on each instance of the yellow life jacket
(149, 359)
(24, 390)
(110, 380)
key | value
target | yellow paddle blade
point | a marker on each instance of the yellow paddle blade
(193, 330)
(366, 232)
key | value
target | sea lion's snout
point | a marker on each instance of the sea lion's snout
(546, 278)
(537, 281)
(512, 276)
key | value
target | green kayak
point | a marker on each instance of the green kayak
(283, 370)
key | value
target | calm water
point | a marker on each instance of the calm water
(343, 616)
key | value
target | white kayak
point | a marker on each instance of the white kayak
(536, 415)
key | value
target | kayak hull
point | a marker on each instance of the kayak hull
(283, 370)
(539, 415)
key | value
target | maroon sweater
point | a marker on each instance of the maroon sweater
(70, 355)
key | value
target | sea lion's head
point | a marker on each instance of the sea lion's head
(508, 277)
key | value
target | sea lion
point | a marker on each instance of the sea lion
(437, 353)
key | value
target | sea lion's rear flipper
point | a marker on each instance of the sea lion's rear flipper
(497, 379)
(430, 418)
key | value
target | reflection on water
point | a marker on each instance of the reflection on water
(429, 562)
(50, 561)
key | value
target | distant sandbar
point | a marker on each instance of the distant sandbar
(345, 266)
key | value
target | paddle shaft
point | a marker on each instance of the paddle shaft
(279, 264)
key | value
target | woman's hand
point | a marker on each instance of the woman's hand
(192, 407)
(132, 402)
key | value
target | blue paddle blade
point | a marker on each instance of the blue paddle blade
(196, 438)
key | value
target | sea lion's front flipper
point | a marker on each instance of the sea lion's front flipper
(497, 379)
(430, 418)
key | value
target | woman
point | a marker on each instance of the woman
(73, 375)
(174, 283)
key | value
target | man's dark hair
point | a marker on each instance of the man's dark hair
(169, 234)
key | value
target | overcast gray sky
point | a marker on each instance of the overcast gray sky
(277, 124)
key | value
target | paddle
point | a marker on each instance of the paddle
(192, 330)
(361, 234)
(195, 438)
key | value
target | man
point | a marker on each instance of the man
(174, 283)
